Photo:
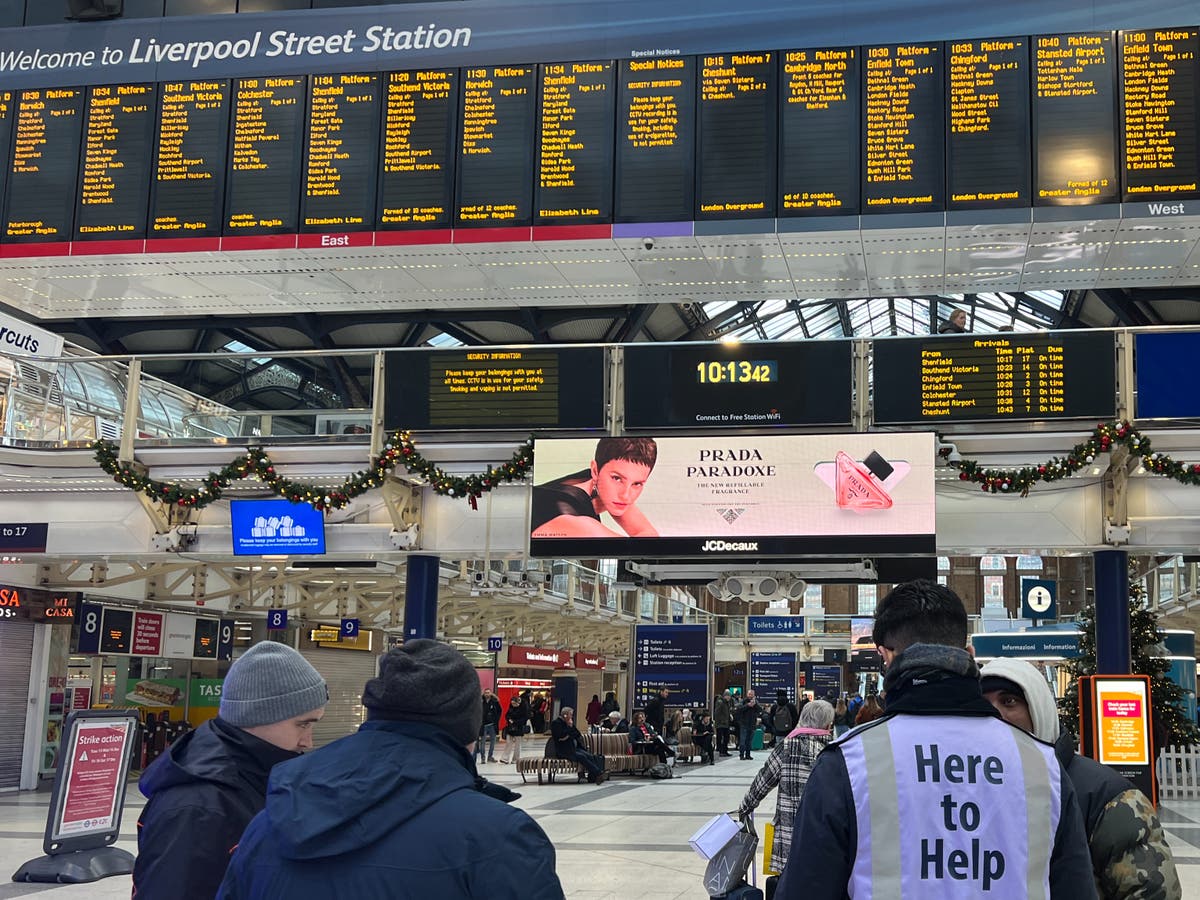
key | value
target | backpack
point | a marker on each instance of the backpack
(781, 721)
(660, 770)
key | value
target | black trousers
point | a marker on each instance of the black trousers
(722, 740)
(658, 748)
(590, 761)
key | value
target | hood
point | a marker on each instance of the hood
(217, 753)
(351, 793)
(1038, 696)
(933, 679)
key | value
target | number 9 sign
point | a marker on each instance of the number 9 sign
(350, 628)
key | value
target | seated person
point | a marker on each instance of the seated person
(615, 723)
(567, 743)
(702, 736)
(644, 739)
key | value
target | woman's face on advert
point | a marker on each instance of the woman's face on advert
(619, 483)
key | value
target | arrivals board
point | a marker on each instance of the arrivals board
(819, 114)
(188, 189)
(495, 170)
(516, 388)
(416, 180)
(341, 155)
(751, 385)
(266, 147)
(736, 136)
(114, 178)
(988, 108)
(904, 131)
(1074, 119)
(1049, 375)
(44, 165)
(576, 103)
(1160, 109)
(656, 151)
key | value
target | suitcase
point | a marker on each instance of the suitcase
(743, 892)
(756, 743)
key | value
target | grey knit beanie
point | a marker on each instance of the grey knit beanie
(270, 683)
(426, 681)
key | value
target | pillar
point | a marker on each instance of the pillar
(1113, 655)
(421, 597)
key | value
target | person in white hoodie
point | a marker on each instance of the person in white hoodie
(1130, 854)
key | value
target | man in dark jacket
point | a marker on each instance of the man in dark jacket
(656, 710)
(392, 811)
(747, 717)
(722, 720)
(940, 797)
(490, 727)
(783, 715)
(615, 723)
(568, 744)
(205, 790)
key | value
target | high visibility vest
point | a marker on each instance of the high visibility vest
(951, 807)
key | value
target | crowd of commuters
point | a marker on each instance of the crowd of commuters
(961, 782)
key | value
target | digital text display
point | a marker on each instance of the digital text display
(44, 168)
(575, 142)
(495, 171)
(1038, 376)
(656, 110)
(1159, 106)
(819, 114)
(416, 184)
(266, 149)
(1074, 119)
(904, 128)
(736, 135)
(341, 158)
(188, 190)
(988, 162)
(114, 183)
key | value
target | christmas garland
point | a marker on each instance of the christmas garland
(1102, 440)
(255, 463)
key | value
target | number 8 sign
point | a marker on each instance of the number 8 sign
(89, 627)
(276, 619)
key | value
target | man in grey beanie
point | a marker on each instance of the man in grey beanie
(394, 810)
(205, 790)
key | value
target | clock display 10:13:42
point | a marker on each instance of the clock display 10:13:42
(745, 371)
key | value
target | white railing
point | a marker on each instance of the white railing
(1179, 773)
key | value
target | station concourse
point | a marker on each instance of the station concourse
(620, 348)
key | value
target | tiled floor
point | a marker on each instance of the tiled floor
(626, 838)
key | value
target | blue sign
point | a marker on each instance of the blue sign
(350, 628)
(775, 624)
(674, 657)
(276, 526)
(90, 616)
(1166, 375)
(1039, 598)
(276, 619)
(495, 644)
(771, 672)
(825, 682)
(225, 639)
(1039, 643)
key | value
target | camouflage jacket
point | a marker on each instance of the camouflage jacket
(1130, 855)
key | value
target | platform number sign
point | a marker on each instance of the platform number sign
(276, 619)
(89, 617)
(225, 639)
(495, 644)
(350, 628)
(1038, 598)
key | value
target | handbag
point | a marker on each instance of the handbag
(727, 867)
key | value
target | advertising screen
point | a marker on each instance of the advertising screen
(733, 496)
(276, 526)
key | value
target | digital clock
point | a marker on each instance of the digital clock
(743, 371)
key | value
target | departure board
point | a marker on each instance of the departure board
(998, 376)
(44, 167)
(495, 388)
(188, 189)
(904, 128)
(341, 156)
(576, 105)
(495, 166)
(266, 148)
(1160, 110)
(8, 114)
(416, 181)
(988, 162)
(736, 136)
(750, 385)
(1074, 120)
(114, 182)
(656, 150)
(819, 115)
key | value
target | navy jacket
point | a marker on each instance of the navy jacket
(389, 812)
(202, 795)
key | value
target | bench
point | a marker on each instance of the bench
(546, 767)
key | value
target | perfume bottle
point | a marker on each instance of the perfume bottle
(860, 485)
